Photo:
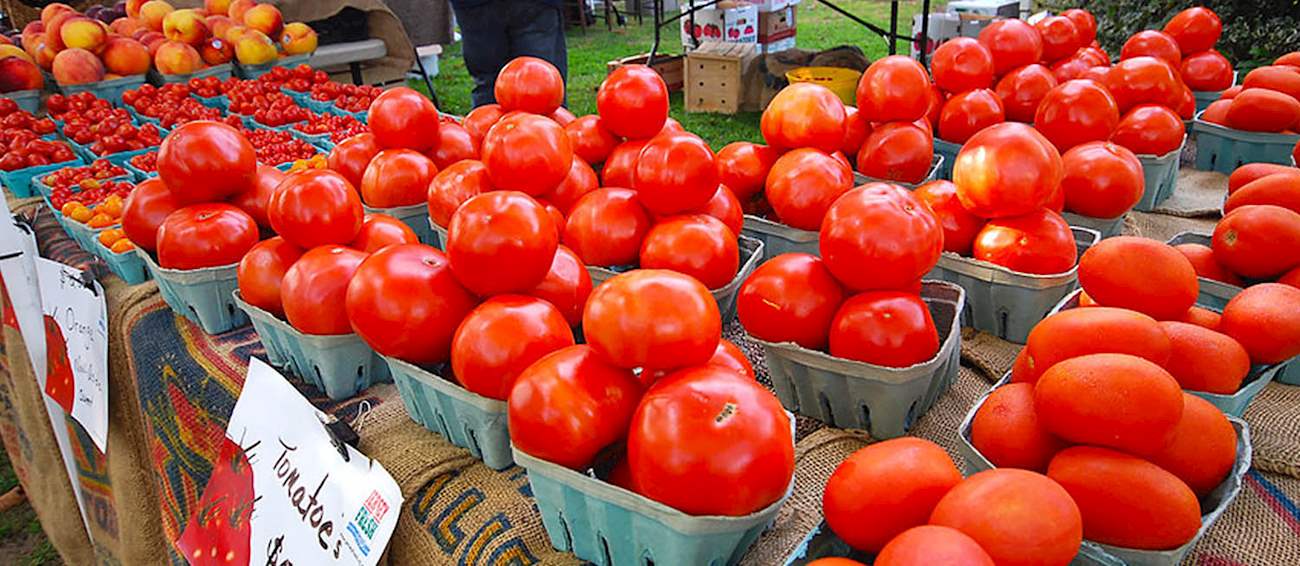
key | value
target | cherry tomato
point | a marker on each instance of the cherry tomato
(351, 156)
(580, 181)
(480, 120)
(621, 164)
(1207, 71)
(725, 207)
(315, 207)
(379, 231)
(633, 102)
(790, 298)
(502, 337)
(314, 289)
(1060, 37)
(1023, 89)
(707, 441)
(1150, 129)
(897, 151)
(804, 115)
(1039, 242)
(885, 328)
(527, 153)
(1076, 112)
(1102, 179)
(591, 141)
(675, 173)
(566, 285)
(959, 226)
(893, 89)
(802, 185)
(206, 161)
(969, 112)
(501, 242)
(606, 227)
(144, 211)
(1152, 43)
(885, 227)
(652, 318)
(255, 200)
(697, 245)
(1013, 44)
(1195, 29)
(397, 177)
(961, 64)
(405, 303)
(261, 271)
(1084, 22)
(1143, 80)
(856, 128)
(454, 144)
(529, 84)
(454, 185)
(205, 235)
(743, 167)
(1007, 169)
(404, 118)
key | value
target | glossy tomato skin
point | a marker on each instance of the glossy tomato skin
(1007, 169)
(1102, 179)
(454, 144)
(959, 226)
(205, 235)
(1013, 44)
(454, 185)
(580, 181)
(606, 226)
(729, 355)
(790, 298)
(1207, 71)
(1022, 89)
(404, 302)
(725, 207)
(743, 167)
(897, 151)
(397, 177)
(969, 112)
(1150, 129)
(697, 245)
(1060, 37)
(885, 227)
(480, 120)
(961, 64)
(1263, 110)
(379, 231)
(502, 337)
(262, 269)
(501, 242)
(886, 328)
(1152, 43)
(652, 318)
(802, 185)
(529, 84)
(527, 153)
(566, 286)
(633, 102)
(1195, 29)
(316, 207)
(1039, 243)
(206, 161)
(314, 290)
(404, 118)
(804, 115)
(856, 128)
(1084, 22)
(675, 173)
(1141, 80)
(893, 89)
(591, 140)
(701, 433)
(621, 165)
(1076, 112)
(257, 197)
(351, 156)
(144, 211)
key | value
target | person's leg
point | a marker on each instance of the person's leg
(485, 45)
(537, 30)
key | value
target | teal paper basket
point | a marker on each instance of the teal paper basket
(205, 296)
(466, 419)
(1223, 149)
(110, 90)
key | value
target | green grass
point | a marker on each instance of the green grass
(819, 28)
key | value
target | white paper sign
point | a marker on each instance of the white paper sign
(76, 346)
(308, 505)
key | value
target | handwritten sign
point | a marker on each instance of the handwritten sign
(75, 325)
(282, 493)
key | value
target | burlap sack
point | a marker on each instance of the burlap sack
(1199, 194)
(1274, 418)
(1163, 226)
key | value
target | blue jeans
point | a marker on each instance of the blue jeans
(496, 31)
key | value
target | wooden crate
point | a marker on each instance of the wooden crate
(714, 76)
(669, 67)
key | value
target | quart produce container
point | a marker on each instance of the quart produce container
(221, 72)
(251, 72)
(948, 151)
(126, 265)
(883, 401)
(110, 90)
(936, 166)
(751, 255)
(29, 100)
(1160, 172)
(466, 419)
(1105, 227)
(205, 296)
(416, 216)
(19, 181)
(780, 239)
(1223, 149)
(1213, 295)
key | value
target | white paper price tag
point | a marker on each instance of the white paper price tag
(76, 346)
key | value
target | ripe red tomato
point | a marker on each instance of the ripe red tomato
(1152, 43)
(566, 285)
(404, 118)
(885, 227)
(570, 405)
(405, 303)
(501, 242)
(1150, 129)
(707, 441)
(633, 102)
(1102, 179)
(454, 144)
(530, 85)
(856, 128)
(580, 181)
(205, 161)
(802, 185)
(453, 186)
(1143, 80)
(898, 151)
(725, 207)
(205, 235)
(606, 226)
(675, 173)
(1039, 242)
(1207, 71)
(743, 167)
(804, 115)
(1217, 112)
(314, 289)
(502, 337)
(652, 318)
(1022, 89)
(697, 245)
(1195, 29)
(959, 226)
(562, 116)
(379, 231)
(885, 328)
(961, 64)
(1263, 110)
(257, 197)
(790, 298)
(1013, 44)
(1006, 170)
(1076, 112)
(1084, 22)
(1282, 78)
(315, 207)
(591, 140)
(262, 269)
(351, 156)
(1072, 67)
(729, 355)
(480, 120)
(893, 89)
(1060, 37)
(397, 177)
(969, 112)
(621, 164)
(145, 208)
(527, 153)
(937, 98)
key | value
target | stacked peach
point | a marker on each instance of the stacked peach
(79, 48)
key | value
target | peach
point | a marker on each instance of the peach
(185, 26)
(4, 40)
(298, 39)
(48, 12)
(255, 48)
(266, 19)
(215, 7)
(153, 12)
(237, 8)
(142, 32)
(19, 73)
(125, 56)
(218, 25)
(152, 41)
(234, 32)
(44, 54)
(83, 33)
(77, 66)
(10, 50)
(127, 27)
(177, 58)
(54, 29)
(216, 51)
(133, 7)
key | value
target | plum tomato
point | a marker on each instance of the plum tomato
(1060, 37)
(206, 161)
(526, 153)
(885, 227)
(501, 242)
(632, 102)
(1007, 169)
(1143, 80)
(261, 271)
(1195, 29)
(502, 337)
(1084, 22)
(315, 207)
(804, 115)
(530, 85)
(790, 298)
(1152, 43)
(652, 318)
(606, 227)
(1207, 71)
(1150, 129)
(802, 185)
(404, 118)
(675, 173)
(1040, 243)
(205, 235)
(697, 245)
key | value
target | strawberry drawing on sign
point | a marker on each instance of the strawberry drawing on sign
(59, 382)
(219, 533)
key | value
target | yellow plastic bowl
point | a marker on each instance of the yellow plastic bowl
(843, 82)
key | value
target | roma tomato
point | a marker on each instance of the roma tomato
(1195, 29)
(206, 161)
(959, 225)
(1060, 37)
(885, 227)
(570, 405)
(885, 328)
(1006, 170)
(405, 303)
(675, 173)
(591, 140)
(961, 64)
(707, 441)
(1102, 180)
(316, 207)
(1084, 22)
(652, 318)
(454, 185)
(580, 181)
(501, 338)
(621, 164)
(404, 118)
(697, 245)
(725, 207)
(1022, 89)
(1257, 241)
(897, 151)
(454, 144)
(351, 156)
(1076, 112)
(743, 167)
(397, 177)
(566, 285)
(145, 208)
(1039, 242)
(1013, 44)
(790, 298)
(205, 235)
(1217, 112)
(1149, 129)
(379, 231)
(894, 89)
(1284, 79)
(606, 226)
(1263, 110)
(1152, 43)
(530, 85)
(1143, 80)
(804, 115)
(633, 102)
(261, 271)
(1207, 71)
(969, 112)
(314, 289)
(480, 120)
(527, 153)
(257, 197)
(501, 242)
(802, 185)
